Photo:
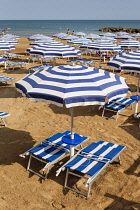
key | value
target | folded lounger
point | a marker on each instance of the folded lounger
(49, 151)
(117, 106)
(2, 115)
(90, 161)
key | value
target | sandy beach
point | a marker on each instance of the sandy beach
(116, 188)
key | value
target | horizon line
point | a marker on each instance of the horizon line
(76, 19)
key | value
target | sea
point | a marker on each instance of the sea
(26, 28)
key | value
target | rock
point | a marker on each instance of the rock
(113, 29)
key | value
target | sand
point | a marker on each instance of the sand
(118, 186)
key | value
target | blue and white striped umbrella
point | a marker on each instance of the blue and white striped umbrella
(123, 58)
(80, 33)
(102, 46)
(6, 46)
(80, 41)
(130, 62)
(129, 44)
(55, 51)
(92, 36)
(105, 38)
(72, 86)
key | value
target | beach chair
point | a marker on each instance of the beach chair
(48, 151)
(13, 65)
(39, 67)
(2, 115)
(117, 106)
(89, 162)
(6, 79)
(103, 56)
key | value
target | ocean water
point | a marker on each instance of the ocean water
(26, 28)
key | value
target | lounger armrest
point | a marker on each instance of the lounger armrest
(59, 170)
(24, 154)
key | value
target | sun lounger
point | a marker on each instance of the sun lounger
(2, 115)
(13, 65)
(11, 55)
(89, 162)
(6, 79)
(117, 106)
(48, 151)
(36, 68)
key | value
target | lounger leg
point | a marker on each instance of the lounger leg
(103, 112)
(120, 160)
(3, 122)
(29, 163)
(66, 179)
(88, 193)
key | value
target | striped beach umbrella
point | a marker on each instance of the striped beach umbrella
(6, 46)
(123, 58)
(72, 86)
(59, 50)
(102, 46)
(130, 62)
(92, 36)
(80, 41)
(130, 43)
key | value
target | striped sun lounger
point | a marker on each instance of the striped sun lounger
(2, 115)
(13, 65)
(39, 67)
(117, 106)
(6, 79)
(90, 161)
(48, 151)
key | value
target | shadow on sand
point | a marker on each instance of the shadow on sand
(121, 203)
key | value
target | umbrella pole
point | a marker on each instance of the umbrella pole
(138, 84)
(136, 104)
(72, 132)
(72, 123)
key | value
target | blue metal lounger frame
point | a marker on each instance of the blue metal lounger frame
(90, 161)
(49, 151)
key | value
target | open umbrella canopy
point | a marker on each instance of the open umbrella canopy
(132, 58)
(102, 46)
(72, 86)
(80, 41)
(129, 44)
(6, 46)
(55, 50)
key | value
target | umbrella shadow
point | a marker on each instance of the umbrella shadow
(131, 126)
(133, 88)
(121, 203)
(9, 92)
(132, 170)
(12, 144)
(78, 111)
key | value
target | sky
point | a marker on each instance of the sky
(69, 9)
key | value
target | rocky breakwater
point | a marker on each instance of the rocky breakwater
(113, 29)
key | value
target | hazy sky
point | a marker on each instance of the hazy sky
(69, 9)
